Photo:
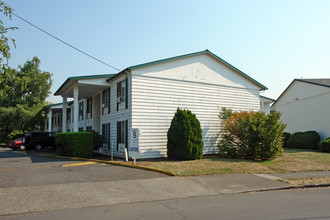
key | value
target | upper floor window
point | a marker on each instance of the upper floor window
(89, 107)
(106, 100)
(122, 93)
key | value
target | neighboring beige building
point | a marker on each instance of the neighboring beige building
(146, 96)
(305, 105)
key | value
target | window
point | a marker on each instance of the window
(122, 93)
(121, 133)
(89, 107)
(106, 100)
(81, 111)
(106, 133)
(89, 128)
(68, 115)
(59, 119)
(81, 129)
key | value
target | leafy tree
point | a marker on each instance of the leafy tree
(23, 91)
(4, 45)
(22, 95)
(184, 137)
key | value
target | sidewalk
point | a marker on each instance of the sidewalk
(87, 194)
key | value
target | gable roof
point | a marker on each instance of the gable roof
(319, 82)
(190, 55)
(82, 77)
(269, 99)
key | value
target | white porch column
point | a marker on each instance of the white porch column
(45, 122)
(64, 114)
(50, 115)
(100, 112)
(75, 108)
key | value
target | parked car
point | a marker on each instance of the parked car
(38, 140)
(16, 142)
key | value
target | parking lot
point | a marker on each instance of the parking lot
(28, 169)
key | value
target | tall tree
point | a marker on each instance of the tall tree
(23, 91)
(4, 45)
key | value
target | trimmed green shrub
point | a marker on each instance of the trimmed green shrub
(286, 137)
(184, 137)
(304, 140)
(324, 146)
(74, 144)
(250, 135)
(97, 140)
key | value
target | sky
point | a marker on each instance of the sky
(272, 41)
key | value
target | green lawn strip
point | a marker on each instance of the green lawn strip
(292, 160)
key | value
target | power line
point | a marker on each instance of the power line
(65, 42)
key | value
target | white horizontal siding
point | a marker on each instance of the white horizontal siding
(307, 114)
(155, 100)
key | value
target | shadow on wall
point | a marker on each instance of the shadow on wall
(210, 140)
(152, 154)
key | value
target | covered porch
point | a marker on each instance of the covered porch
(86, 107)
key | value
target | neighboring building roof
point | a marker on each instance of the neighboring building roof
(185, 56)
(82, 77)
(318, 82)
(269, 99)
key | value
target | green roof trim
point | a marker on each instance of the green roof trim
(261, 96)
(185, 56)
(55, 104)
(92, 76)
(82, 77)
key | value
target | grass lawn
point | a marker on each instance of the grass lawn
(292, 160)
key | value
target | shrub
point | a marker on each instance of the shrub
(324, 146)
(250, 135)
(97, 140)
(184, 137)
(74, 144)
(286, 137)
(304, 140)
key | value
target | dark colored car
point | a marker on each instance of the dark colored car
(38, 140)
(16, 142)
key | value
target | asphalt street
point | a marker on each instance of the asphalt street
(35, 187)
(302, 204)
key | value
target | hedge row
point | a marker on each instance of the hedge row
(324, 146)
(303, 140)
(74, 144)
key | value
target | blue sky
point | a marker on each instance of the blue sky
(271, 41)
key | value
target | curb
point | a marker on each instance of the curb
(286, 188)
(112, 163)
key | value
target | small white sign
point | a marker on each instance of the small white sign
(134, 145)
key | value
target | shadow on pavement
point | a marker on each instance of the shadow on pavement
(33, 155)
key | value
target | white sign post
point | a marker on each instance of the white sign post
(134, 145)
